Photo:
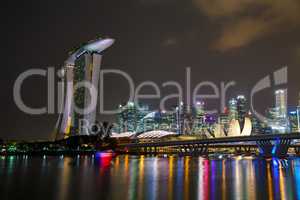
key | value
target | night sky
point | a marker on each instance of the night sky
(221, 40)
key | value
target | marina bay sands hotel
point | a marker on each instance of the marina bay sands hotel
(80, 76)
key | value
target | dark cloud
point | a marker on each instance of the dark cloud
(245, 21)
(297, 55)
(169, 41)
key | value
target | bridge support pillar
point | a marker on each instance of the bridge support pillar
(200, 149)
(278, 148)
(244, 149)
(238, 150)
(297, 150)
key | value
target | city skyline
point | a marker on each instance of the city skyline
(280, 120)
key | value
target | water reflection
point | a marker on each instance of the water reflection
(251, 179)
(295, 169)
(63, 180)
(186, 177)
(148, 177)
(223, 187)
(140, 177)
(238, 178)
(170, 178)
(269, 181)
(203, 174)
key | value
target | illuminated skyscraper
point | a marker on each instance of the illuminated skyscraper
(199, 118)
(224, 122)
(180, 118)
(81, 71)
(130, 117)
(143, 110)
(242, 109)
(293, 116)
(167, 120)
(148, 122)
(188, 116)
(277, 116)
(281, 102)
(199, 108)
(188, 119)
(233, 112)
(87, 68)
(256, 125)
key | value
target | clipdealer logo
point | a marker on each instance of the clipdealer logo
(280, 77)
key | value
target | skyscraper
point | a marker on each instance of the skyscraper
(281, 102)
(199, 107)
(87, 68)
(180, 118)
(199, 118)
(64, 121)
(167, 119)
(293, 116)
(256, 124)
(224, 122)
(130, 117)
(241, 106)
(277, 116)
(233, 113)
(242, 109)
(81, 70)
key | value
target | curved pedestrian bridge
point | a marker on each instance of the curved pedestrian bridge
(268, 144)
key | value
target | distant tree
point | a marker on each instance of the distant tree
(73, 142)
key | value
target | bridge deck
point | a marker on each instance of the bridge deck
(254, 138)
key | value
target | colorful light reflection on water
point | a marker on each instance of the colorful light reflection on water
(105, 176)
